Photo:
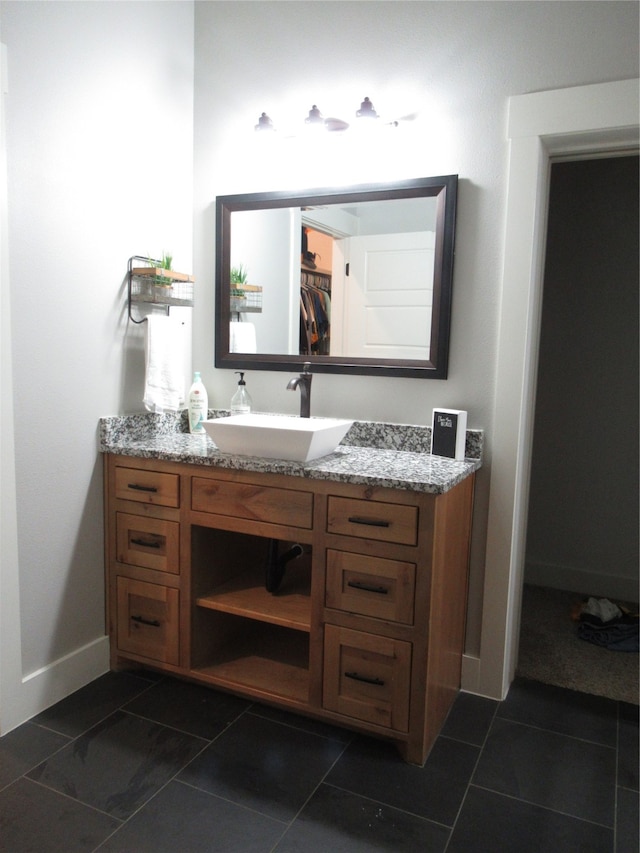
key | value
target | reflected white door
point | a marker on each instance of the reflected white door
(389, 296)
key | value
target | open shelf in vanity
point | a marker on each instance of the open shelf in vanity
(246, 595)
(242, 634)
(270, 662)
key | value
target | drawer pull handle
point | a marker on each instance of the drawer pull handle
(372, 522)
(142, 621)
(138, 488)
(145, 544)
(381, 590)
(356, 677)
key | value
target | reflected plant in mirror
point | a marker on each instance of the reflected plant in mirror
(354, 280)
(237, 294)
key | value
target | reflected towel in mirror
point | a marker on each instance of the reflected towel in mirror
(164, 364)
(242, 337)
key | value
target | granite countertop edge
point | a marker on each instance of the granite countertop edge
(372, 454)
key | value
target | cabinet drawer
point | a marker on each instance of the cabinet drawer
(148, 542)
(148, 620)
(385, 522)
(370, 586)
(152, 487)
(367, 677)
(253, 502)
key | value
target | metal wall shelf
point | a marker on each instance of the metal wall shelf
(153, 285)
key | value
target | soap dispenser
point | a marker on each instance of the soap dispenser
(241, 401)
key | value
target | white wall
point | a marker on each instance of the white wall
(99, 149)
(87, 188)
(457, 64)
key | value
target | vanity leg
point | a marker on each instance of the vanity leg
(414, 753)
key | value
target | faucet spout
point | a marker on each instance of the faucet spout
(303, 382)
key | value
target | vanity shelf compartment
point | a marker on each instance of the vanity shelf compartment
(243, 654)
(246, 595)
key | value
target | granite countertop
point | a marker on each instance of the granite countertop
(374, 454)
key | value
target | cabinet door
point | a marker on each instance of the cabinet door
(370, 586)
(147, 621)
(148, 542)
(367, 677)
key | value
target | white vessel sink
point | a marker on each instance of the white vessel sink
(277, 436)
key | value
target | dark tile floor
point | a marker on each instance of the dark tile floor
(142, 763)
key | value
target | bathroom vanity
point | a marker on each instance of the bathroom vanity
(366, 627)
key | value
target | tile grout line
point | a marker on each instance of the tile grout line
(97, 722)
(541, 806)
(207, 743)
(471, 775)
(253, 710)
(70, 798)
(615, 780)
(302, 807)
(389, 806)
(559, 734)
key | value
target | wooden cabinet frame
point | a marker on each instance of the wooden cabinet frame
(367, 628)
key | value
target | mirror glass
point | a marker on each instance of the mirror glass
(352, 280)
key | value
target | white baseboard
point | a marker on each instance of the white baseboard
(44, 687)
(470, 675)
(597, 584)
(40, 689)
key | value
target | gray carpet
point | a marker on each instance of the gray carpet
(551, 651)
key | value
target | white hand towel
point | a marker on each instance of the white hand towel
(242, 337)
(164, 364)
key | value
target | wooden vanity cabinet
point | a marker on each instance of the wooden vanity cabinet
(366, 628)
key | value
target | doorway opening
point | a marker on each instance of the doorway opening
(569, 122)
(582, 534)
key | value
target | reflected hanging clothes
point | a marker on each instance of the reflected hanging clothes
(315, 320)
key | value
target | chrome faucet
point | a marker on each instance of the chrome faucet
(304, 383)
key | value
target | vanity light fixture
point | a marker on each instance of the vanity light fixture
(264, 123)
(366, 110)
(315, 119)
(366, 114)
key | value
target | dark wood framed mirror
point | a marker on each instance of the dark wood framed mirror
(353, 280)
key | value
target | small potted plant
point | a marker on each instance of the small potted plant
(238, 278)
(165, 266)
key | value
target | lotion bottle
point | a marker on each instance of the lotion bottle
(198, 405)
(241, 401)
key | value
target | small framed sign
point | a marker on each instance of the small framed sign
(449, 433)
